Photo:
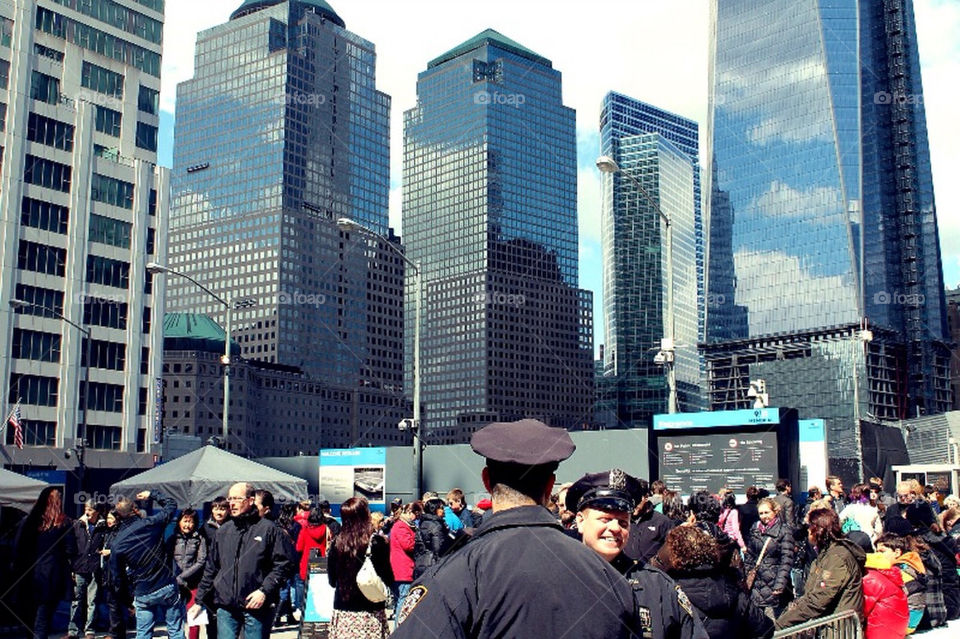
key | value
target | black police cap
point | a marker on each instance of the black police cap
(610, 490)
(528, 442)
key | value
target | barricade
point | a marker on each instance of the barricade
(842, 625)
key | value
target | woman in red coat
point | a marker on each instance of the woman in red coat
(884, 599)
(313, 535)
(402, 540)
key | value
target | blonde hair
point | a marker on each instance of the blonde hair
(770, 503)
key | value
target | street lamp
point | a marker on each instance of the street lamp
(665, 355)
(346, 224)
(79, 443)
(156, 268)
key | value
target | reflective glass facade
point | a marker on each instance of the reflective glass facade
(660, 149)
(822, 211)
(489, 209)
(280, 133)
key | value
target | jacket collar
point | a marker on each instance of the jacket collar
(519, 516)
(247, 519)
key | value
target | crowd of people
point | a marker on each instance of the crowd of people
(532, 559)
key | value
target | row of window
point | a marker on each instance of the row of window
(147, 136)
(45, 88)
(111, 191)
(47, 173)
(34, 345)
(119, 16)
(41, 302)
(103, 270)
(102, 80)
(4, 73)
(33, 389)
(41, 258)
(108, 121)
(36, 433)
(149, 100)
(44, 215)
(107, 355)
(105, 397)
(105, 44)
(107, 230)
(106, 313)
(50, 132)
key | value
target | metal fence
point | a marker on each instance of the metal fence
(842, 625)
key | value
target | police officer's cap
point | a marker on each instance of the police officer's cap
(612, 490)
(527, 442)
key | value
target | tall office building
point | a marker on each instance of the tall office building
(83, 208)
(490, 212)
(281, 132)
(660, 150)
(822, 195)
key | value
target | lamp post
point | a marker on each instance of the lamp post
(665, 356)
(79, 440)
(157, 268)
(347, 224)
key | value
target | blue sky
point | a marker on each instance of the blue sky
(653, 50)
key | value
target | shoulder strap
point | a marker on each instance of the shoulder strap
(763, 550)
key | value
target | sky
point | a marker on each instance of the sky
(652, 50)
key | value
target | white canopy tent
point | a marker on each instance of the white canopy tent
(206, 473)
(19, 491)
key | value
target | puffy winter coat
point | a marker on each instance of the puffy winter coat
(431, 541)
(835, 584)
(914, 577)
(946, 551)
(884, 599)
(725, 609)
(310, 537)
(773, 573)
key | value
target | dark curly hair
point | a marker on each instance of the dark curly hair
(704, 506)
(689, 547)
(824, 527)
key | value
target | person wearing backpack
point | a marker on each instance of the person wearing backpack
(432, 537)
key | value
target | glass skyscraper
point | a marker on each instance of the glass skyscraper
(281, 132)
(823, 228)
(83, 207)
(660, 149)
(490, 211)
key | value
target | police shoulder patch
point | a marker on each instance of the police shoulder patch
(684, 601)
(414, 597)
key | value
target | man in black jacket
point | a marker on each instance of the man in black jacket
(89, 531)
(648, 529)
(140, 554)
(249, 561)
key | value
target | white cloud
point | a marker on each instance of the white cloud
(821, 204)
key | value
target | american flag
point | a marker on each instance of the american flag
(14, 420)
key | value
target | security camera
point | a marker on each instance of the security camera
(405, 424)
(67, 454)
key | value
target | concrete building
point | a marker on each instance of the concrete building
(83, 207)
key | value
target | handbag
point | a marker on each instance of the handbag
(752, 575)
(369, 582)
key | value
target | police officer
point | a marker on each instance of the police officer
(603, 503)
(520, 575)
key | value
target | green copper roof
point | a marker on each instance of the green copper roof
(194, 332)
(319, 6)
(490, 37)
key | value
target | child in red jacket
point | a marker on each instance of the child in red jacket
(884, 599)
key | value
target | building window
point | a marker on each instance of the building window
(41, 258)
(111, 191)
(102, 80)
(151, 241)
(103, 270)
(106, 355)
(42, 302)
(116, 15)
(149, 100)
(33, 389)
(108, 121)
(3, 117)
(153, 201)
(37, 346)
(103, 437)
(107, 230)
(47, 173)
(45, 88)
(36, 433)
(103, 312)
(6, 32)
(105, 397)
(44, 215)
(146, 136)
(146, 320)
(50, 132)
(4, 73)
